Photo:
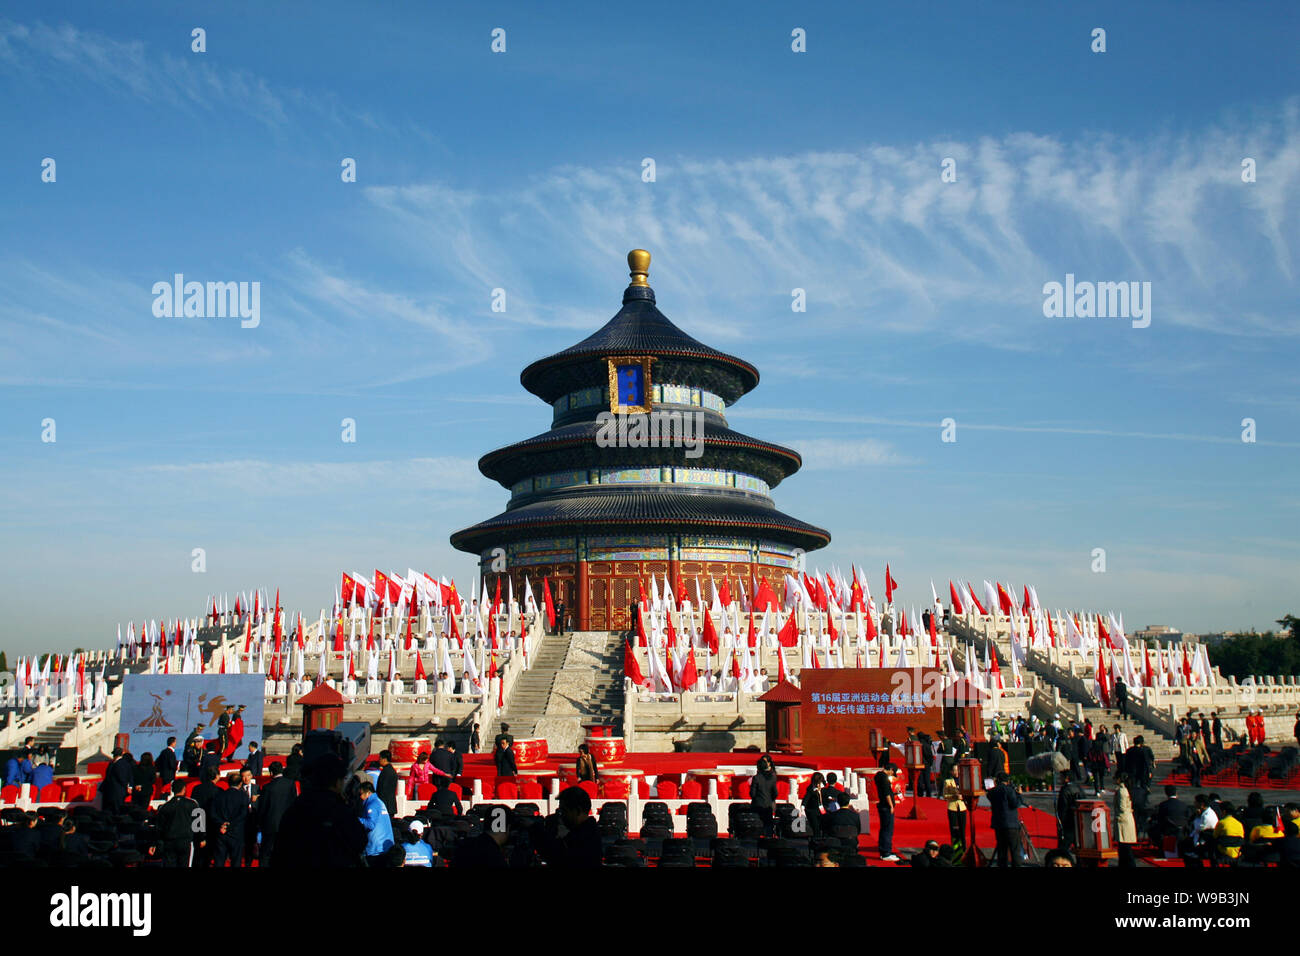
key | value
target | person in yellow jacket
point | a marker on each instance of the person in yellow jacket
(956, 809)
(1228, 826)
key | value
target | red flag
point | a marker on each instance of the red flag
(631, 668)
(419, 666)
(735, 664)
(1105, 635)
(338, 635)
(248, 634)
(1024, 608)
(257, 601)
(857, 603)
(788, 636)
(781, 673)
(301, 636)
(223, 663)
(381, 586)
(710, 632)
(753, 634)
(642, 600)
(830, 627)
(1004, 600)
(890, 586)
(689, 673)
(455, 631)
(871, 627)
(352, 667)
(1051, 628)
(349, 587)
(370, 635)
(492, 665)
(1103, 684)
(640, 629)
(956, 601)
(970, 589)
(725, 593)
(995, 671)
(546, 600)
(1150, 677)
(934, 637)
(816, 661)
(765, 597)
(501, 693)
(409, 622)
(1187, 668)
(679, 590)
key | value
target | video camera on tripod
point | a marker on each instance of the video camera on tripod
(350, 742)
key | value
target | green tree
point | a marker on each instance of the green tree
(1257, 654)
(1290, 623)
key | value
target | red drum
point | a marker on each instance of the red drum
(598, 730)
(607, 750)
(528, 752)
(404, 751)
(543, 749)
(426, 747)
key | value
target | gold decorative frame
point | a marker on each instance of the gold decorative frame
(614, 406)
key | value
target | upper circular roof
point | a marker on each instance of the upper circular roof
(639, 328)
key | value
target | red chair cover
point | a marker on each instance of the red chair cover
(742, 789)
(783, 789)
(531, 790)
(691, 790)
(615, 789)
(590, 787)
(666, 789)
(424, 792)
(724, 789)
(507, 790)
(51, 793)
(9, 793)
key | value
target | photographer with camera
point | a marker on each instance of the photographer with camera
(320, 829)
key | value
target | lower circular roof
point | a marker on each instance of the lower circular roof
(645, 511)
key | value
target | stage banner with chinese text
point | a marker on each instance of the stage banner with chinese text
(842, 705)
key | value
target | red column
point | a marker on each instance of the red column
(584, 615)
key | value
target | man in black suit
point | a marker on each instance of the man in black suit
(1121, 696)
(277, 796)
(117, 782)
(1140, 762)
(559, 618)
(457, 761)
(166, 763)
(253, 792)
(845, 823)
(386, 786)
(1067, 799)
(205, 795)
(178, 820)
(226, 821)
(580, 847)
(211, 760)
(442, 759)
(223, 728)
(24, 840)
(1216, 728)
(1172, 816)
(504, 735)
(1205, 728)
(254, 761)
(444, 802)
(884, 780)
(1004, 807)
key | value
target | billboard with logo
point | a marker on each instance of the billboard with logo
(158, 706)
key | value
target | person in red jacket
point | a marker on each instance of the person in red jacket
(236, 733)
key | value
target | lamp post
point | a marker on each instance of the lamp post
(914, 753)
(970, 778)
(1092, 832)
(876, 740)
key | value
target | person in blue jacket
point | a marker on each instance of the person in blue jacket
(378, 824)
(13, 776)
(42, 776)
(418, 853)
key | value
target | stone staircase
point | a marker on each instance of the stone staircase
(575, 679)
(55, 732)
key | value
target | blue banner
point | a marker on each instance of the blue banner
(158, 706)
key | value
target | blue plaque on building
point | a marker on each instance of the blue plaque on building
(631, 384)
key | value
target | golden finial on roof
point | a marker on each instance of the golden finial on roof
(638, 260)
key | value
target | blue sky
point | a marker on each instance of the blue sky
(775, 171)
